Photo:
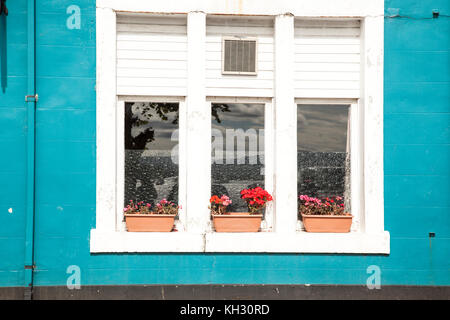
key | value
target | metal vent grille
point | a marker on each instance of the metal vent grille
(239, 56)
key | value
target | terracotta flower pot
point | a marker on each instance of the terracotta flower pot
(149, 222)
(237, 222)
(322, 223)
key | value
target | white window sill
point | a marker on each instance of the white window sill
(299, 242)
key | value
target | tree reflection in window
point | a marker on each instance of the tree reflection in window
(151, 169)
(237, 150)
(323, 151)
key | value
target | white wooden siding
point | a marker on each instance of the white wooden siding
(327, 59)
(151, 55)
(260, 85)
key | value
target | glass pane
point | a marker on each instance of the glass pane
(151, 152)
(323, 149)
(237, 150)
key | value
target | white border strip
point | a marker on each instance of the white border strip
(303, 242)
(316, 8)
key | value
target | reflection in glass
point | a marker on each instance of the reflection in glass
(151, 164)
(323, 151)
(237, 150)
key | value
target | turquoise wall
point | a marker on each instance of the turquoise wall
(417, 152)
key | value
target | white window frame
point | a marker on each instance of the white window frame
(370, 238)
(267, 223)
(356, 152)
(180, 223)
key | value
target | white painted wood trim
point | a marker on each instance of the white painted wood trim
(316, 8)
(106, 119)
(285, 182)
(371, 239)
(198, 127)
(119, 242)
(372, 31)
(270, 242)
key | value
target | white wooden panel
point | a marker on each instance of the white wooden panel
(332, 67)
(240, 30)
(151, 91)
(217, 38)
(151, 54)
(327, 40)
(260, 84)
(239, 92)
(150, 82)
(150, 64)
(150, 37)
(328, 48)
(327, 58)
(317, 84)
(154, 46)
(217, 74)
(155, 73)
(326, 76)
(234, 82)
(152, 19)
(326, 93)
(151, 28)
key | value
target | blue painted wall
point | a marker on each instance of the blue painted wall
(417, 157)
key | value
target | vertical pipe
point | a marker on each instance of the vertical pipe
(31, 143)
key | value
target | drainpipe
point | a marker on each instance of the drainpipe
(30, 103)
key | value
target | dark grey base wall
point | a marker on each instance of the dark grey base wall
(232, 292)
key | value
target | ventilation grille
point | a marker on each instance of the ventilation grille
(239, 56)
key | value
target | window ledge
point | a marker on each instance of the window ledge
(299, 242)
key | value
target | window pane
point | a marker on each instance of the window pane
(237, 150)
(323, 149)
(151, 152)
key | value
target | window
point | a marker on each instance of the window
(308, 121)
(237, 150)
(148, 153)
(323, 151)
(151, 152)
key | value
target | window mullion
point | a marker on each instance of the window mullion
(198, 162)
(285, 182)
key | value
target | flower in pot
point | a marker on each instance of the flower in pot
(250, 221)
(139, 217)
(324, 215)
(219, 205)
(256, 199)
